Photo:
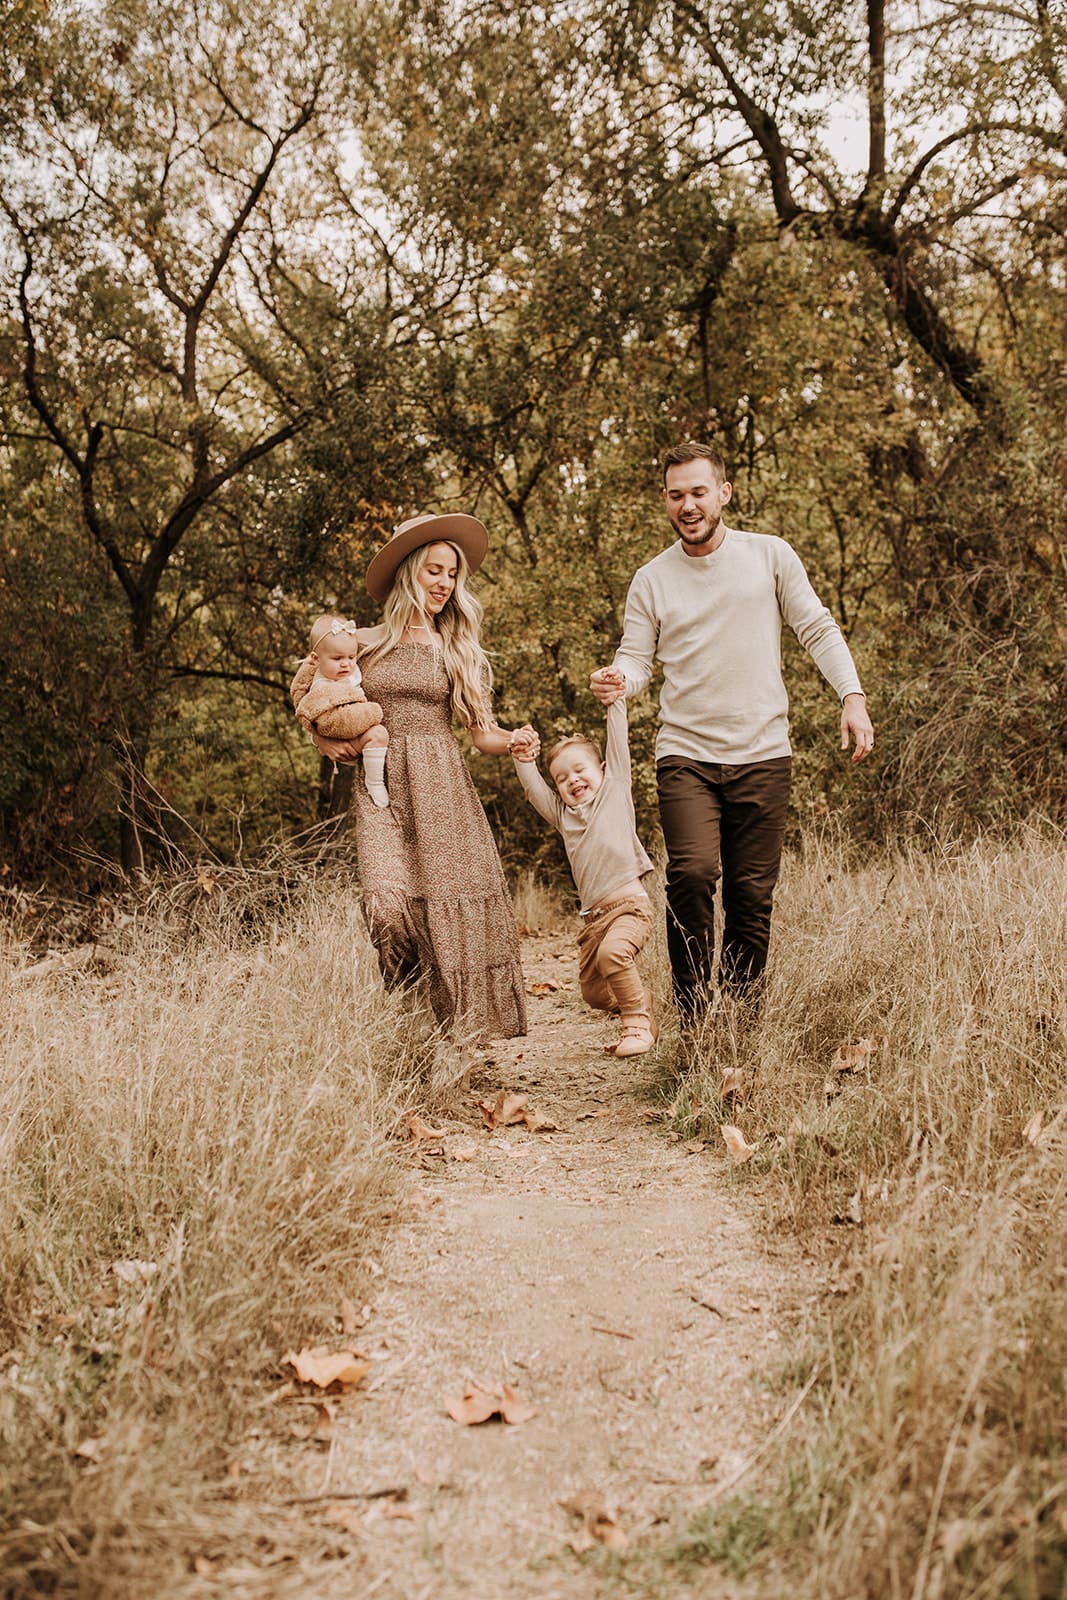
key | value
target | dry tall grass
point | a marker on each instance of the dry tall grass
(930, 1458)
(193, 1141)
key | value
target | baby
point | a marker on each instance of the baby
(328, 699)
(593, 808)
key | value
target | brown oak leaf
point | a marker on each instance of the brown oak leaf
(505, 1110)
(420, 1130)
(480, 1401)
(854, 1057)
(324, 1367)
(599, 1520)
(736, 1143)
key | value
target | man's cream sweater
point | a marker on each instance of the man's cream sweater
(715, 624)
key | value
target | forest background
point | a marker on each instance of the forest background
(276, 277)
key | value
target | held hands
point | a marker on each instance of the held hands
(525, 743)
(856, 724)
(606, 684)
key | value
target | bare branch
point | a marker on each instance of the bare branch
(1044, 136)
(761, 124)
(84, 466)
(274, 684)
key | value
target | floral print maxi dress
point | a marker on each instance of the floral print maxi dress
(435, 895)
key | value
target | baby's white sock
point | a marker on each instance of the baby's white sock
(374, 774)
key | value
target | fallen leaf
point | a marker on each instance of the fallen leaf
(475, 1405)
(736, 1143)
(509, 1109)
(206, 882)
(134, 1272)
(513, 1408)
(694, 1146)
(599, 1521)
(346, 1517)
(1032, 1131)
(466, 1152)
(732, 1082)
(92, 1449)
(203, 1565)
(324, 1367)
(420, 1130)
(539, 1124)
(479, 1402)
(1039, 1135)
(541, 989)
(856, 1056)
(351, 1320)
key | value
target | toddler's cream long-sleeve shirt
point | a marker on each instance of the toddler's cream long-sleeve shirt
(715, 624)
(600, 837)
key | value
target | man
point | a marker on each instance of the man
(711, 609)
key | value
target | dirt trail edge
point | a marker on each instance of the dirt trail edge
(613, 1278)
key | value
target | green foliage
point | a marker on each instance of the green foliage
(275, 281)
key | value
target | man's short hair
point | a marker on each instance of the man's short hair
(690, 450)
(565, 744)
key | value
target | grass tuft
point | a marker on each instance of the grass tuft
(194, 1140)
(929, 1177)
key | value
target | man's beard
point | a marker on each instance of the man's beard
(688, 537)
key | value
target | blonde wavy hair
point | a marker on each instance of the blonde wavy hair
(458, 622)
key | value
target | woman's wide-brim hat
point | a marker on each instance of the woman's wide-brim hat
(455, 528)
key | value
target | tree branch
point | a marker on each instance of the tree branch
(230, 677)
(83, 466)
(875, 181)
(761, 124)
(198, 496)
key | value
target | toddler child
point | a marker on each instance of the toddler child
(593, 808)
(328, 699)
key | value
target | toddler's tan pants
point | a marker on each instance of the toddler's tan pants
(611, 939)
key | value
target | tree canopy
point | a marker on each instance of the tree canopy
(274, 278)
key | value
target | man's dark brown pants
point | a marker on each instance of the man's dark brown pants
(728, 822)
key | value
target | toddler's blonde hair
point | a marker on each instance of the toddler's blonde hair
(565, 744)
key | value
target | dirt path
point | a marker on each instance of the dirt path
(614, 1278)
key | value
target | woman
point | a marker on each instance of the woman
(435, 895)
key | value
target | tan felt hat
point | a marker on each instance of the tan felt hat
(455, 528)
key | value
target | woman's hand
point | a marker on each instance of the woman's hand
(497, 741)
(344, 751)
(525, 744)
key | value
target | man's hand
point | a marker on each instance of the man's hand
(857, 725)
(606, 684)
(344, 751)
